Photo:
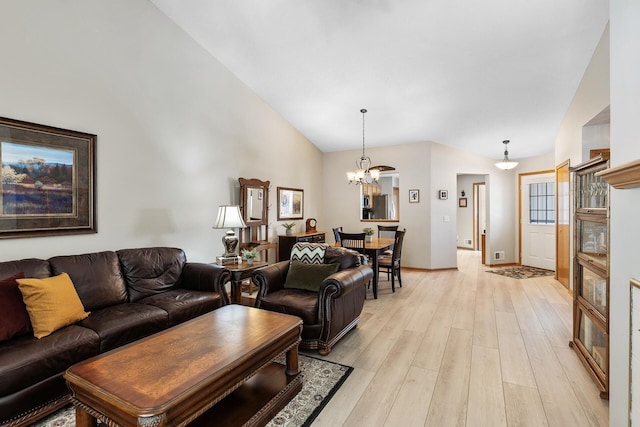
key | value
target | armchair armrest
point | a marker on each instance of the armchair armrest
(345, 281)
(270, 278)
(206, 277)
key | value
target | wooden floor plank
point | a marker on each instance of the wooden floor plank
(377, 400)
(558, 398)
(449, 404)
(486, 396)
(342, 403)
(595, 408)
(484, 327)
(524, 407)
(524, 311)
(412, 403)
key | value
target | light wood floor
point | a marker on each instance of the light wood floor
(464, 348)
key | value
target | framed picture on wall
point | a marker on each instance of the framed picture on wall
(48, 180)
(414, 196)
(290, 203)
(462, 202)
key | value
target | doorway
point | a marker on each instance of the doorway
(471, 212)
(538, 220)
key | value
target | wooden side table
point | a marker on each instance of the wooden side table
(239, 272)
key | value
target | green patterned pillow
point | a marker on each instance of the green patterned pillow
(308, 277)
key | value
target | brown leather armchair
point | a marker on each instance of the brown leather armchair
(327, 314)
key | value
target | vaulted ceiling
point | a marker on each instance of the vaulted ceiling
(464, 73)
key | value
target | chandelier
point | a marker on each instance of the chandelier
(364, 174)
(505, 163)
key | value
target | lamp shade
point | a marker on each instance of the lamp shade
(229, 217)
(506, 164)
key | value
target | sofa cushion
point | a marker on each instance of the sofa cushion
(15, 319)
(149, 271)
(347, 258)
(123, 323)
(96, 276)
(25, 360)
(308, 276)
(30, 267)
(296, 302)
(52, 303)
(183, 305)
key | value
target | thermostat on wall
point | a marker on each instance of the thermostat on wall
(443, 194)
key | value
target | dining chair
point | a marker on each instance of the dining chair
(353, 241)
(387, 231)
(336, 233)
(391, 264)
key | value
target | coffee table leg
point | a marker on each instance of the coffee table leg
(292, 361)
(83, 419)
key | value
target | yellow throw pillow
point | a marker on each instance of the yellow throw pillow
(52, 303)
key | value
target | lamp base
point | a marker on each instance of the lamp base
(230, 242)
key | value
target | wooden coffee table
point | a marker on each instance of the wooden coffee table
(217, 369)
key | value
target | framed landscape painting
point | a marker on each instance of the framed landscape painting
(290, 203)
(48, 180)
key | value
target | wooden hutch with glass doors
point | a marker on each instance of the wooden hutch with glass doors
(591, 271)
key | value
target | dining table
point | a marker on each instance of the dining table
(373, 249)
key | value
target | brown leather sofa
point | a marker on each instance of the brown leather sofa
(131, 293)
(328, 314)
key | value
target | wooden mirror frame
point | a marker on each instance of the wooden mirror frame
(245, 185)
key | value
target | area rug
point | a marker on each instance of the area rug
(522, 272)
(321, 380)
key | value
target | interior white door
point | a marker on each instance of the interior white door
(538, 221)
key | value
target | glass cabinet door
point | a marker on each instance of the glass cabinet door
(593, 191)
(593, 288)
(594, 340)
(593, 240)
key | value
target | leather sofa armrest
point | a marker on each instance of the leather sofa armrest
(270, 278)
(344, 281)
(206, 277)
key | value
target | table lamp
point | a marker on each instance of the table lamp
(229, 217)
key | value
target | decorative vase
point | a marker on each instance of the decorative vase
(289, 231)
(368, 239)
(250, 261)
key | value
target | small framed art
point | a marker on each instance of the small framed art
(414, 196)
(462, 202)
(290, 203)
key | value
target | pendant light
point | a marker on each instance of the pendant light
(364, 174)
(505, 163)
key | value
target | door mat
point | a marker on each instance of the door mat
(523, 272)
(321, 380)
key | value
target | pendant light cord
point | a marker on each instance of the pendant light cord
(363, 111)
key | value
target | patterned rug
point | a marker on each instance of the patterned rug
(522, 272)
(320, 382)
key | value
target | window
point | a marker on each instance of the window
(542, 208)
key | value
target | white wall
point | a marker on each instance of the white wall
(430, 242)
(625, 204)
(175, 128)
(592, 96)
